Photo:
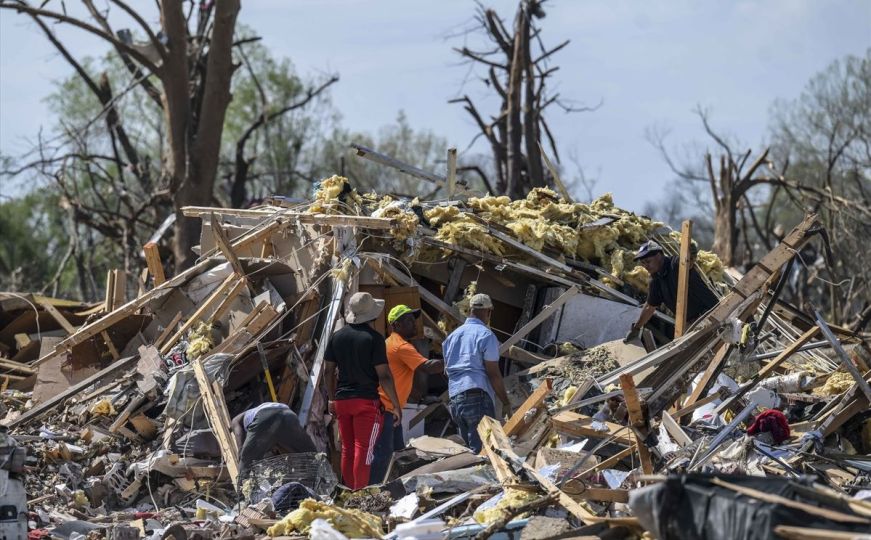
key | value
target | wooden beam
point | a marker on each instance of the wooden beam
(673, 428)
(680, 413)
(524, 357)
(110, 291)
(109, 345)
(495, 444)
(61, 320)
(155, 265)
(611, 461)
(542, 315)
(636, 420)
(574, 507)
(516, 424)
(683, 277)
(602, 494)
(90, 330)
(710, 372)
(579, 425)
(220, 293)
(168, 331)
(119, 288)
(216, 412)
(50, 404)
(792, 532)
(289, 217)
(555, 174)
(223, 244)
(225, 304)
(452, 172)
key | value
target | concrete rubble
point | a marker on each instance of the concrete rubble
(754, 423)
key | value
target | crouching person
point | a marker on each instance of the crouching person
(266, 428)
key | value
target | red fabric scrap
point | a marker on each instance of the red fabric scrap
(771, 421)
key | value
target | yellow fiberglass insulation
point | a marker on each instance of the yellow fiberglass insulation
(329, 197)
(638, 277)
(839, 382)
(405, 220)
(512, 498)
(352, 523)
(200, 340)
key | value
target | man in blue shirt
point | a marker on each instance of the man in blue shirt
(472, 366)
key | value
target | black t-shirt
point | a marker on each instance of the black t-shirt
(663, 290)
(357, 349)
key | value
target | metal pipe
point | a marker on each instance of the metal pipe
(810, 346)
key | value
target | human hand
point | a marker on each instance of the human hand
(397, 417)
(331, 407)
(632, 334)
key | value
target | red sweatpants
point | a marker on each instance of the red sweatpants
(359, 427)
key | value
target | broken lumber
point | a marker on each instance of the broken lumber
(46, 406)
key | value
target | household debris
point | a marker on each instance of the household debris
(124, 408)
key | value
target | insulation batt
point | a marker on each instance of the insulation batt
(351, 523)
(542, 220)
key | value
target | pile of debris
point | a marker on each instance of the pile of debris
(755, 419)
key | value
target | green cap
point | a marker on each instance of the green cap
(399, 311)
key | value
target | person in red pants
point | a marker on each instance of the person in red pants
(358, 353)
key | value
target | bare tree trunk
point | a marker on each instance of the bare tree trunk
(512, 112)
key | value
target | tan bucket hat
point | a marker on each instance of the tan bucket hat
(362, 308)
(481, 301)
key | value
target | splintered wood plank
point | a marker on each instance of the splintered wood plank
(155, 265)
(683, 278)
(90, 330)
(579, 425)
(515, 425)
(673, 428)
(602, 494)
(605, 463)
(220, 293)
(636, 420)
(119, 288)
(224, 245)
(218, 420)
(61, 320)
(111, 346)
(494, 441)
(110, 291)
(697, 405)
(710, 372)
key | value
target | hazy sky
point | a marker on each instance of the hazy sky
(650, 63)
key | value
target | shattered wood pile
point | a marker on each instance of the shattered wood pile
(125, 407)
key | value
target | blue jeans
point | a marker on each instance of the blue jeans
(390, 440)
(467, 410)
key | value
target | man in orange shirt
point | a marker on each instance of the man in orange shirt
(403, 360)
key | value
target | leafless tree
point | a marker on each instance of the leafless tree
(185, 67)
(518, 66)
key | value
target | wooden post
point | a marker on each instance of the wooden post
(155, 265)
(516, 423)
(221, 292)
(683, 278)
(452, 171)
(636, 420)
(119, 288)
(216, 411)
(223, 244)
(110, 291)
